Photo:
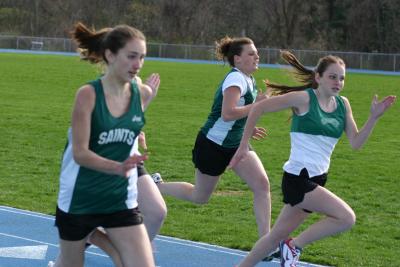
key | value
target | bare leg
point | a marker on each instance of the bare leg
(71, 253)
(133, 245)
(151, 205)
(154, 210)
(199, 193)
(252, 172)
(288, 220)
(100, 239)
(340, 216)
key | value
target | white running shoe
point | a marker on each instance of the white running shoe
(289, 255)
(157, 178)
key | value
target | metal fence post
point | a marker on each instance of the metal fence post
(186, 51)
(394, 62)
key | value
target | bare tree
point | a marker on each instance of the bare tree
(284, 18)
(364, 25)
(373, 25)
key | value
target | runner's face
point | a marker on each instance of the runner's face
(332, 80)
(247, 61)
(129, 59)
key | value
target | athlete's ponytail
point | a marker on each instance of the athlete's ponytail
(92, 44)
(302, 74)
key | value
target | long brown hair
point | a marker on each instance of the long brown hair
(92, 44)
(302, 74)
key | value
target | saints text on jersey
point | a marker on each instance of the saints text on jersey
(117, 135)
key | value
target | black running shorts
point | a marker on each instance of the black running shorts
(294, 187)
(209, 157)
(74, 227)
(141, 170)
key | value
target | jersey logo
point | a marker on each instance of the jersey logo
(136, 119)
(330, 121)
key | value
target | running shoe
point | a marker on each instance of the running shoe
(289, 255)
(157, 178)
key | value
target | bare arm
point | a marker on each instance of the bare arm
(356, 137)
(142, 141)
(230, 110)
(295, 100)
(149, 89)
(81, 120)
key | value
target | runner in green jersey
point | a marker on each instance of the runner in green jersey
(219, 138)
(320, 116)
(98, 181)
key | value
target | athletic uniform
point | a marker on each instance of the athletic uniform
(83, 191)
(313, 136)
(218, 140)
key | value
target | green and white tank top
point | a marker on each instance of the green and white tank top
(229, 133)
(86, 191)
(313, 137)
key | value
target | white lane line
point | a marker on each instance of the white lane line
(46, 243)
(24, 252)
(16, 211)
(166, 239)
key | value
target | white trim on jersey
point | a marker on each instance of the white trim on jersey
(238, 79)
(312, 152)
(69, 168)
(131, 201)
(69, 174)
(219, 131)
(221, 128)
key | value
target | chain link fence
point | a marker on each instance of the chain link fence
(354, 60)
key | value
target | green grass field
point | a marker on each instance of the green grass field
(37, 93)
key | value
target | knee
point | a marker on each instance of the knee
(199, 197)
(157, 213)
(261, 186)
(348, 219)
(163, 213)
(160, 213)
